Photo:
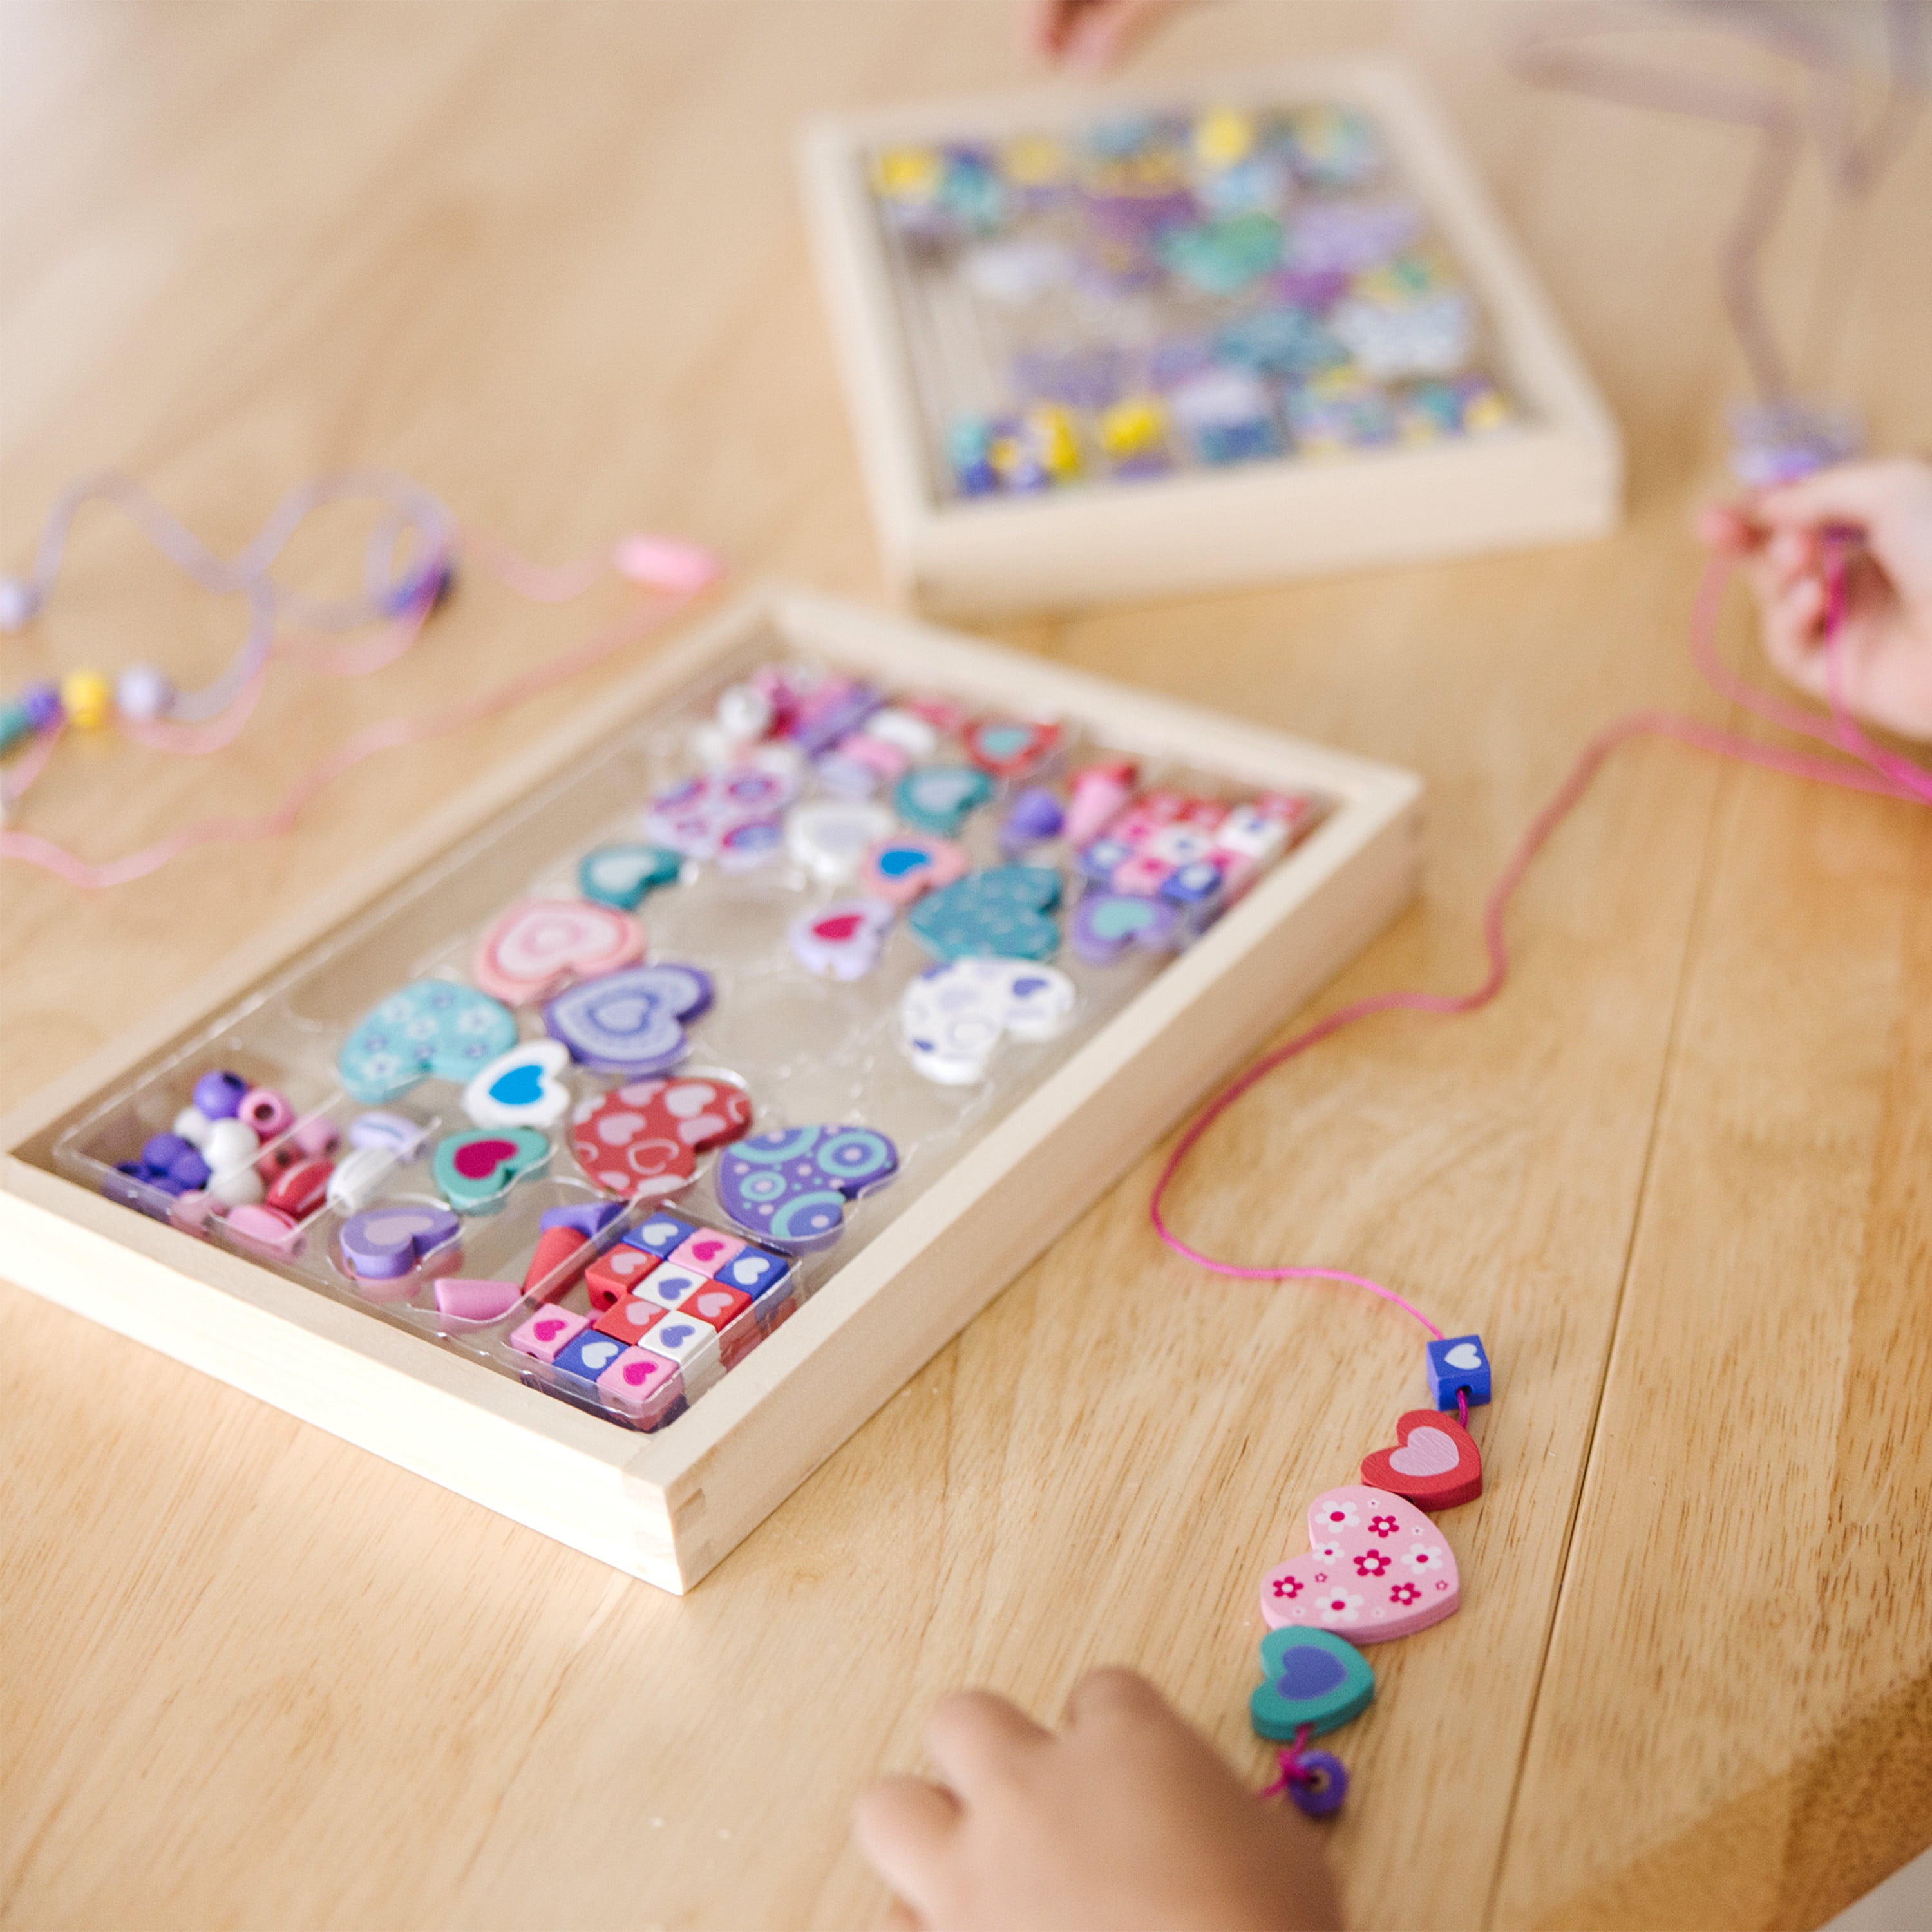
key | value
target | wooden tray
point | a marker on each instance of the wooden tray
(667, 1506)
(1555, 476)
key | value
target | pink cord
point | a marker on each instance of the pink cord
(393, 733)
(1288, 1767)
(1892, 777)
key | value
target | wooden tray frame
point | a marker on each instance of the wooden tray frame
(1558, 478)
(667, 1507)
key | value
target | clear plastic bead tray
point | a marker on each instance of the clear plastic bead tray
(988, 1168)
(1082, 332)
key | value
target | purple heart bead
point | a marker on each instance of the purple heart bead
(384, 1243)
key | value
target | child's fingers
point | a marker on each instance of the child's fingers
(1723, 526)
(976, 1738)
(905, 1827)
(1111, 1694)
(1850, 493)
(1102, 31)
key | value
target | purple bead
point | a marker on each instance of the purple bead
(163, 1151)
(41, 703)
(589, 1218)
(1320, 1784)
(1036, 816)
(219, 1096)
(189, 1169)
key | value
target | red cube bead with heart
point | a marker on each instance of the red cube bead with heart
(612, 1275)
(630, 1318)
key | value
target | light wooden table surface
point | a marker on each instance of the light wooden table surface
(548, 258)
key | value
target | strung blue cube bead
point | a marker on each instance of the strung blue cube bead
(1458, 1364)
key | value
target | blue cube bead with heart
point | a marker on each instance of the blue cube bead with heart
(1311, 1677)
(1456, 1363)
(587, 1357)
(754, 1272)
(661, 1234)
(1003, 912)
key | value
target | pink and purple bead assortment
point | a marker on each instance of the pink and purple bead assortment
(509, 1141)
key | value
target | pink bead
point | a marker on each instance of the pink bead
(665, 564)
(318, 1136)
(267, 1112)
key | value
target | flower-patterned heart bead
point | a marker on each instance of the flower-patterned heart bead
(1376, 1568)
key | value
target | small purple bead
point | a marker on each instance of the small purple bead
(219, 1096)
(163, 1151)
(41, 703)
(1036, 816)
(1318, 1793)
(189, 1170)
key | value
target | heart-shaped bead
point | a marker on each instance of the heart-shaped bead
(630, 1022)
(843, 940)
(385, 1243)
(620, 875)
(540, 946)
(951, 1017)
(1003, 911)
(1377, 1568)
(520, 1088)
(830, 837)
(941, 798)
(1104, 925)
(642, 1140)
(1435, 1464)
(475, 1170)
(1010, 748)
(1310, 1677)
(791, 1188)
(899, 869)
(435, 1026)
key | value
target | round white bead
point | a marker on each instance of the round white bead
(142, 692)
(230, 1144)
(19, 601)
(192, 1124)
(744, 713)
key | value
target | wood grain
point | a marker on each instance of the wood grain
(549, 260)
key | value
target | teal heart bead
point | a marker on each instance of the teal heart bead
(1003, 912)
(1310, 1677)
(941, 798)
(620, 875)
(1121, 918)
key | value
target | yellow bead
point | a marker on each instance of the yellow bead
(1222, 137)
(1033, 160)
(907, 174)
(1051, 428)
(1134, 427)
(1487, 410)
(87, 698)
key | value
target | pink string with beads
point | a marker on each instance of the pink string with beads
(1886, 776)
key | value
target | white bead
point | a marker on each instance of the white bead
(359, 1177)
(237, 1187)
(744, 713)
(912, 735)
(230, 1145)
(19, 601)
(192, 1124)
(142, 692)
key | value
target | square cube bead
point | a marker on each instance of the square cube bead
(640, 1384)
(1458, 1362)
(586, 1358)
(706, 1252)
(1179, 844)
(661, 1234)
(1197, 883)
(1105, 857)
(614, 1275)
(548, 1332)
(630, 1317)
(670, 1286)
(1143, 874)
(692, 1346)
(1249, 830)
(718, 1305)
(758, 1272)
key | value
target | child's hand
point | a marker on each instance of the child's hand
(1089, 34)
(1885, 637)
(1125, 1818)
